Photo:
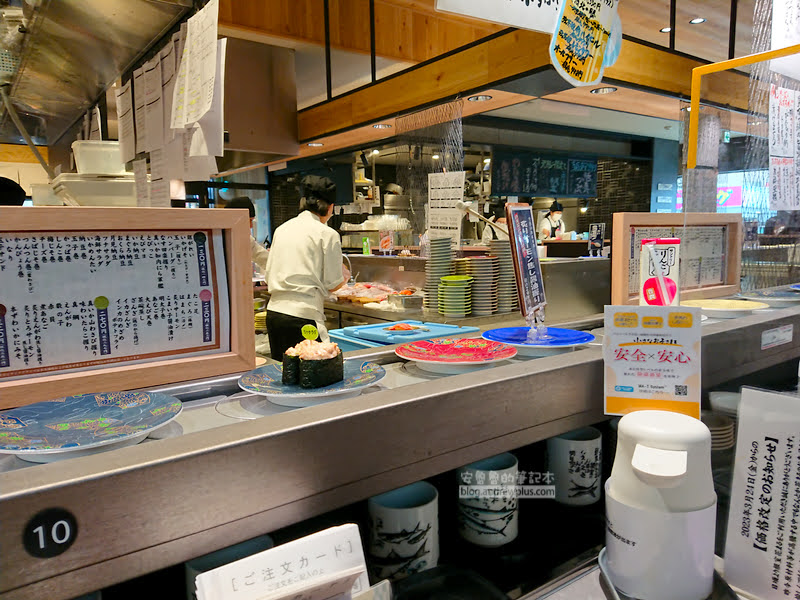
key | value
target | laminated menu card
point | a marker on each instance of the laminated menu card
(328, 564)
(72, 301)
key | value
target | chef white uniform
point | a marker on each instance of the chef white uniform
(305, 263)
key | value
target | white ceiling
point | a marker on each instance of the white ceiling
(588, 117)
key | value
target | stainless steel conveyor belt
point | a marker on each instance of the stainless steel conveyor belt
(222, 479)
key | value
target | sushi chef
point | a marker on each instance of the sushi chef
(304, 267)
(552, 226)
(494, 233)
(258, 253)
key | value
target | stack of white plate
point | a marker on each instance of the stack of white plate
(484, 270)
(455, 295)
(507, 298)
(725, 403)
(722, 428)
(440, 263)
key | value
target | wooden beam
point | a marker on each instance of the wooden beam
(502, 58)
(20, 153)
(405, 31)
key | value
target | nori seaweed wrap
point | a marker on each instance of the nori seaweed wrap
(322, 372)
(291, 369)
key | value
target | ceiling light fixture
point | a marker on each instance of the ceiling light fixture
(665, 29)
(315, 144)
(376, 151)
(487, 160)
(604, 90)
(697, 21)
(584, 209)
(382, 126)
(479, 98)
(435, 157)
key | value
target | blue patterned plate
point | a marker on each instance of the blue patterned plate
(780, 298)
(67, 427)
(557, 340)
(266, 381)
(795, 287)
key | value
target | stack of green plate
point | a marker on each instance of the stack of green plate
(260, 320)
(485, 270)
(439, 264)
(455, 295)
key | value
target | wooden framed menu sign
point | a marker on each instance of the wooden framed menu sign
(107, 299)
(710, 252)
(527, 268)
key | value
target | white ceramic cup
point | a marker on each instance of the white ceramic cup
(404, 531)
(488, 513)
(576, 461)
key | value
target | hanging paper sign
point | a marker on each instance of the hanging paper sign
(652, 359)
(580, 39)
(530, 282)
(538, 15)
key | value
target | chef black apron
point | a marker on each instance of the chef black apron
(554, 227)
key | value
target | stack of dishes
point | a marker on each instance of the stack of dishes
(484, 270)
(726, 403)
(455, 295)
(722, 430)
(440, 263)
(261, 320)
(507, 299)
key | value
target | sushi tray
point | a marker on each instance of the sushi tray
(400, 332)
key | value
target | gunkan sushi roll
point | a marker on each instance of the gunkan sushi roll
(318, 364)
(291, 367)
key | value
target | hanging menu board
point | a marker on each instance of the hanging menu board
(710, 253)
(531, 174)
(110, 296)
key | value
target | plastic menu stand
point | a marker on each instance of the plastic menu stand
(446, 583)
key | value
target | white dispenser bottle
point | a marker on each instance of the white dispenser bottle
(661, 508)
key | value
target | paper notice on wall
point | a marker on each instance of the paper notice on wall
(784, 156)
(94, 129)
(168, 71)
(787, 14)
(445, 190)
(159, 183)
(781, 122)
(209, 135)
(782, 184)
(194, 90)
(127, 136)
(140, 179)
(761, 556)
(196, 168)
(140, 110)
(154, 109)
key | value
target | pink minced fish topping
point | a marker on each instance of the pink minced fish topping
(312, 350)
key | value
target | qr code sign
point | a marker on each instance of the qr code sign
(681, 390)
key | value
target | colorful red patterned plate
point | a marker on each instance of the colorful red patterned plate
(456, 352)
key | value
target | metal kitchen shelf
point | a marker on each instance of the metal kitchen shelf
(144, 507)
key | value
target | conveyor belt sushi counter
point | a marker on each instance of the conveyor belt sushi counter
(234, 465)
(190, 450)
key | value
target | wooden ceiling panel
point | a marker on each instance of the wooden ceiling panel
(707, 40)
(643, 20)
(623, 100)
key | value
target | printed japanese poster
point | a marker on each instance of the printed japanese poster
(652, 359)
(75, 301)
(783, 193)
(445, 190)
(761, 553)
